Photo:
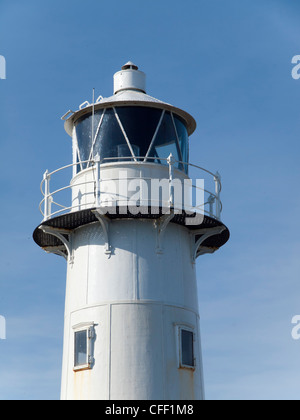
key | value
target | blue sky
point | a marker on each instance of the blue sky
(229, 65)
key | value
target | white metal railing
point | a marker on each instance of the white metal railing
(211, 205)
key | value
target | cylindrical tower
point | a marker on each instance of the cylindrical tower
(131, 232)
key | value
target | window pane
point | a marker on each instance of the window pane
(80, 348)
(140, 124)
(166, 142)
(84, 134)
(187, 348)
(183, 140)
(110, 141)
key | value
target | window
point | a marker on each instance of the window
(187, 348)
(166, 142)
(84, 135)
(132, 131)
(183, 141)
(186, 338)
(83, 336)
(110, 141)
(140, 124)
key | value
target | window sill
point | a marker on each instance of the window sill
(187, 367)
(81, 367)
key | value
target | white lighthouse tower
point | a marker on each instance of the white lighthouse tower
(131, 229)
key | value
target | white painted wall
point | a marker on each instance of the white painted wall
(136, 299)
(121, 181)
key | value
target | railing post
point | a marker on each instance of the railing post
(217, 179)
(211, 199)
(47, 201)
(97, 162)
(171, 161)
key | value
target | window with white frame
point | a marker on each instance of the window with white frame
(83, 348)
(186, 347)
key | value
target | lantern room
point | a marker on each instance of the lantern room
(130, 125)
(137, 132)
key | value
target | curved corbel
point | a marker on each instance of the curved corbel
(206, 233)
(161, 225)
(104, 221)
(59, 233)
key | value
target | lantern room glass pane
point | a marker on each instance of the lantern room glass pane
(140, 124)
(84, 135)
(166, 142)
(110, 141)
(183, 140)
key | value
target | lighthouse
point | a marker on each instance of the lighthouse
(131, 215)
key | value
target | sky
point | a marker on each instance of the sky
(227, 63)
